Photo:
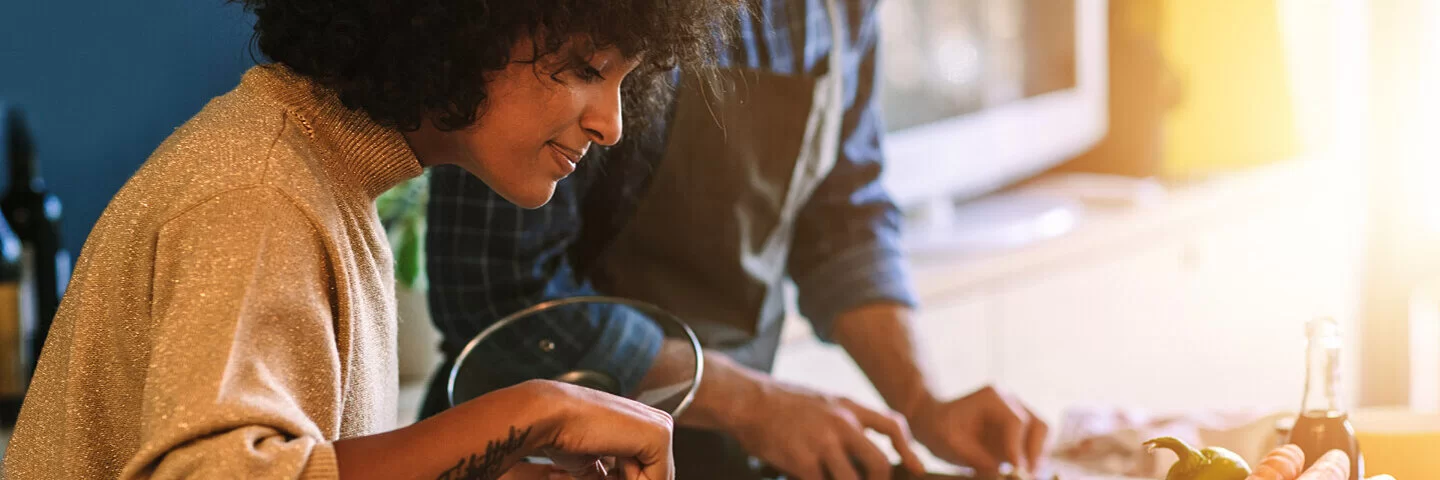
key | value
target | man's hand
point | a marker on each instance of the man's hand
(801, 432)
(814, 436)
(982, 430)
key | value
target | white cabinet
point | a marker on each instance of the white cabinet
(1094, 332)
(1251, 288)
(1197, 302)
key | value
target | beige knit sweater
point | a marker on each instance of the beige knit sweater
(232, 312)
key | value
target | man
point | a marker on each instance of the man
(774, 178)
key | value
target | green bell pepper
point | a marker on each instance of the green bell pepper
(1210, 463)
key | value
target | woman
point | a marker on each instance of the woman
(231, 314)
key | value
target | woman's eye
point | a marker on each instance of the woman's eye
(588, 74)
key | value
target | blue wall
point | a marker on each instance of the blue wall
(103, 82)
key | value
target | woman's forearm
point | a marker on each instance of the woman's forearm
(477, 440)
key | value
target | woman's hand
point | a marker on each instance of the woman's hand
(489, 435)
(593, 424)
(534, 471)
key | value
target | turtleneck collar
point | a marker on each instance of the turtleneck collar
(377, 158)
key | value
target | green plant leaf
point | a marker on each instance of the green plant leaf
(402, 213)
(410, 255)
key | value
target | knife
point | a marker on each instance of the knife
(896, 473)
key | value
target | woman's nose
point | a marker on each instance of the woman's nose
(603, 121)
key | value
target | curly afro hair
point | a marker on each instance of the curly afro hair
(401, 61)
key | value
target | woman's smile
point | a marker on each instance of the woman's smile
(565, 157)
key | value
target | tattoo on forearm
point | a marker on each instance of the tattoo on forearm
(487, 466)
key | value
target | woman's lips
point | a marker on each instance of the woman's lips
(567, 158)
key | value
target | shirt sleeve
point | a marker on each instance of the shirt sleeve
(847, 248)
(488, 258)
(244, 373)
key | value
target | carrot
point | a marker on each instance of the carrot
(1333, 465)
(1283, 463)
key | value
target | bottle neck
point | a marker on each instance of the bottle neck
(20, 154)
(23, 177)
(1322, 373)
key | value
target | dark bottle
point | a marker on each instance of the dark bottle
(17, 327)
(34, 214)
(1324, 424)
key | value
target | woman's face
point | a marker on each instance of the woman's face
(534, 129)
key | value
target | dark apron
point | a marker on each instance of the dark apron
(710, 240)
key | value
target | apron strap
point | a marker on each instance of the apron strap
(836, 113)
(837, 36)
(826, 129)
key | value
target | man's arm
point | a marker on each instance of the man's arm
(854, 288)
(847, 260)
(488, 258)
(878, 336)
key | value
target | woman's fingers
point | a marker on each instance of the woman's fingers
(530, 471)
(600, 424)
(580, 467)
